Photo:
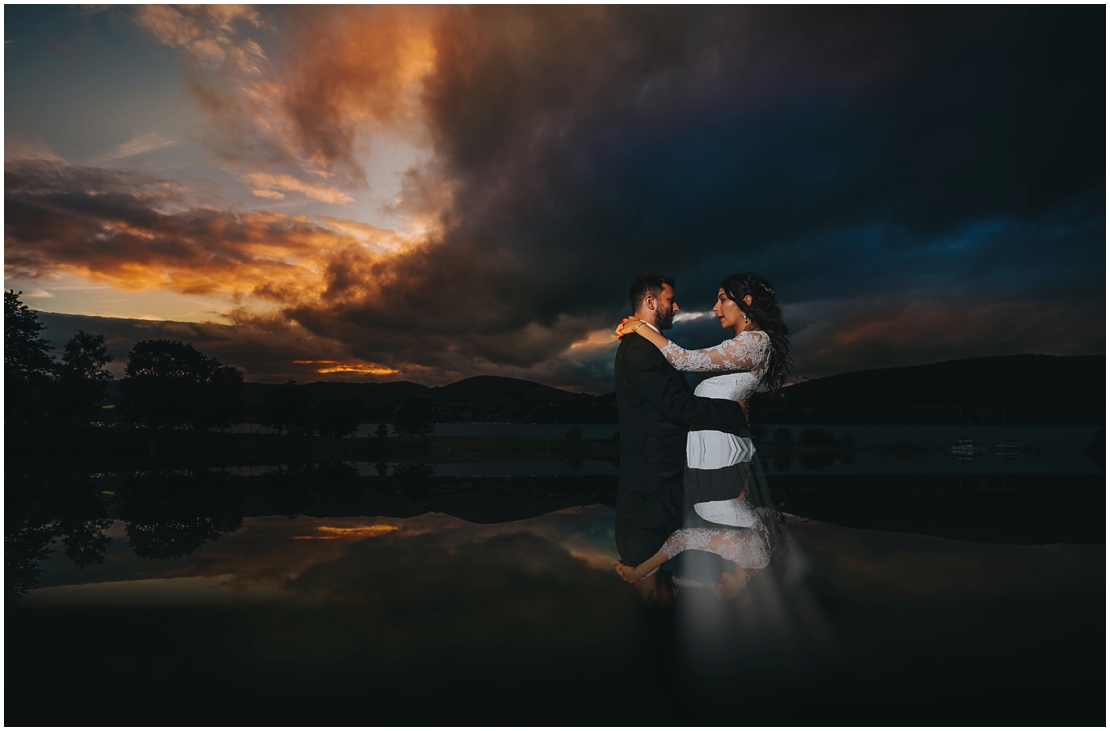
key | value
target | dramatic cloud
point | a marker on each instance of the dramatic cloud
(918, 184)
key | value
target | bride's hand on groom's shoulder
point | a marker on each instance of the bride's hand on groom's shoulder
(626, 326)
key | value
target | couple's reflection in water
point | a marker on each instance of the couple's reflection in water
(728, 590)
(724, 545)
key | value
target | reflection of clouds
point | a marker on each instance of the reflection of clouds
(269, 556)
(359, 531)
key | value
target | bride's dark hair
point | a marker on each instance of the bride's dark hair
(766, 313)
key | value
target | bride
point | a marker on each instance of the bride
(717, 463)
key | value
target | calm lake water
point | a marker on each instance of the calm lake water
(484, 593)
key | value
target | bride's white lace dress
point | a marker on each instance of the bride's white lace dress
(712, 457)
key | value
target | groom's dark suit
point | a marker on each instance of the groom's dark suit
(656, 409)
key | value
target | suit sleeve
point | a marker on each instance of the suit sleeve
(650, 375)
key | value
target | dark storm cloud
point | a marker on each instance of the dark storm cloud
(890, 170)
(845, 153)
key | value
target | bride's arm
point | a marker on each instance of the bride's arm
(743, 353)
(676, 544)
(746, 548)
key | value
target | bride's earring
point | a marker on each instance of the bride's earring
(745, 314)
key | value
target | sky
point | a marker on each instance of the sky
(432, 193)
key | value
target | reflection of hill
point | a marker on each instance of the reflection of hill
(1012, 509)
(1014, 389)
(414, 491)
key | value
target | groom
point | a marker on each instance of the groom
(656, 409)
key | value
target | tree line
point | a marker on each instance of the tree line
(167, 384)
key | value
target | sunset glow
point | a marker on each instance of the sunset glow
(331, 366)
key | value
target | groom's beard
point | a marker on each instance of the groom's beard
(664, 320)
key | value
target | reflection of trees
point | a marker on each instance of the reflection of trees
(292, 489)
(415, 480)
(574, 449)
(24, 548)
(85, 542)
(172, 515)
(338, 480)
(816, 461)
(289, 490)
(41, 508)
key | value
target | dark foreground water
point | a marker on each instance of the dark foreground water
(322, 597)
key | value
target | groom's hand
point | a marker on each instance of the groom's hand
(744, 406)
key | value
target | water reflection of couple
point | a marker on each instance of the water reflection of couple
(688, 479)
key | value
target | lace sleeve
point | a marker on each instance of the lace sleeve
(745, 352)
(746, 548)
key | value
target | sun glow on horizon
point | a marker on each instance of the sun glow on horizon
(332, 366)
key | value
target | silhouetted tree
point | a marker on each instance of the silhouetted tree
(82, 376)
(288, 408)
(29, 368)
(169, 383)
(415, 418)
(338, 417)
(382, 431)
(415, 479)
(24, 351)
(782, 435)
(222, 401)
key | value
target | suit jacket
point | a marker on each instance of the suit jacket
(656, 408)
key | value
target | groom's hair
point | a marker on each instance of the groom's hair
(644, 285)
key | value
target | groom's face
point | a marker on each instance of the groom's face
(665, 308)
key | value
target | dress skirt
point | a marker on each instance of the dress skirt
(719, 466)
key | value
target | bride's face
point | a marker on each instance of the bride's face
(728, 312)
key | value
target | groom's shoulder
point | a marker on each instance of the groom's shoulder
(636, 348)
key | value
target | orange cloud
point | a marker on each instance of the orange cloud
(133, 233)
(269, 186)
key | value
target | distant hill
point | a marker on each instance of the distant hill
(1015, 389)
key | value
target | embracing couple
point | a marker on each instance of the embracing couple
(688, 479)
